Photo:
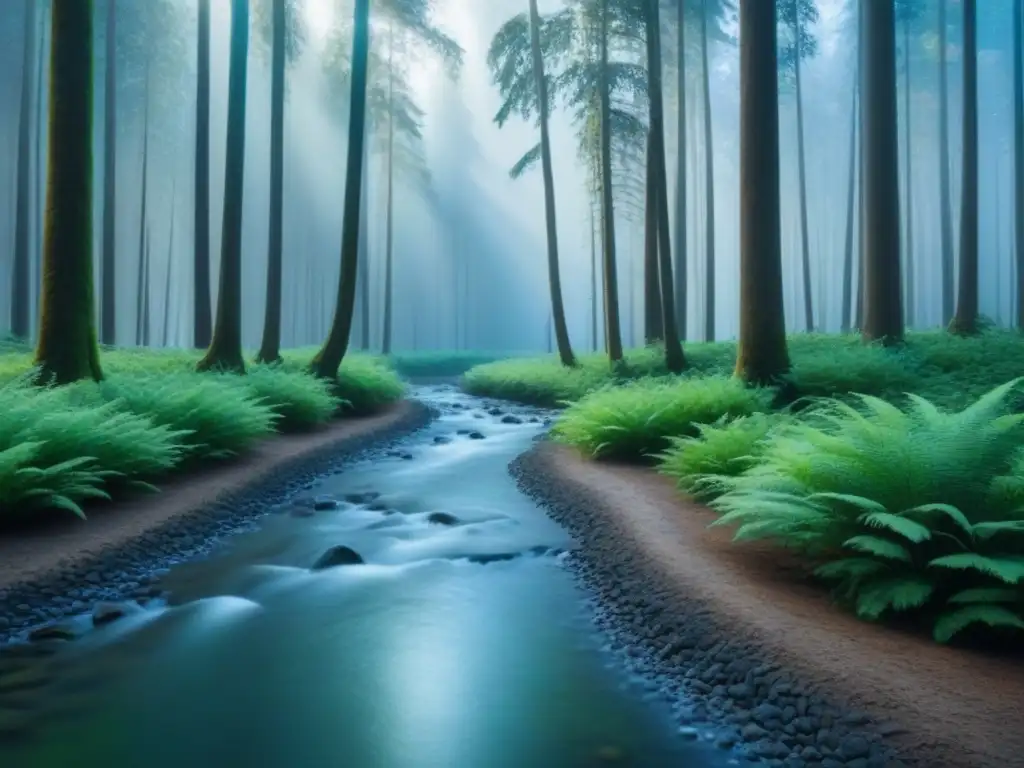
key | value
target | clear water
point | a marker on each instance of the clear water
(415, 660)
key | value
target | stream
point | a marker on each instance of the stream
(460, 642)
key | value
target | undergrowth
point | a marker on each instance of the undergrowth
(154, 415)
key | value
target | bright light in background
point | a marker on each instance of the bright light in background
(319, 17)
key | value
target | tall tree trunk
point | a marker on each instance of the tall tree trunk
(202, 314)
(167, 274)
(805, 240)
(225, 350)
(966, 319)
(851, 185)
(67, 349)
(140, 289)
(613, 332)
(561, 329)
(21, 296)
(364, 249)
(328, 359)
(709, 185)
(108, 269)
(880, 243)
(40, 176)
(909, 309)
(681, 224)
(1018, 156)
(675, 360)
(945, 203)
(858, 310)
(270, 346)
(593, 280)
(653, 321)
(146, 319)
(761, 355)
(389, 234)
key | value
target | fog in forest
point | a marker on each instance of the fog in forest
(469, 250)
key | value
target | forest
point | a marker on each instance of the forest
(164, 308)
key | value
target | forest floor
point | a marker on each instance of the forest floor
(727, 607)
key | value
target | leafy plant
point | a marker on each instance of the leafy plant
(911, 509)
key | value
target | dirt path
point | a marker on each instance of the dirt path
(957, 708)
(26, 555)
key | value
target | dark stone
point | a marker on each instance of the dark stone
(105, 613)
(474, 435)
(441, 439)
(492, 558)
(364, 497)
(510, 419)
(55, 631)
(335, 556)
(323, 503)
(495, 411)
(442, 518)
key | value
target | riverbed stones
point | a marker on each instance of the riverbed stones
(474, 435)
(324, 503)
(441, 439)
(442, 518)
(510, 419)
(106, 613)
(362, 497)
(337, 556)
(58, 630)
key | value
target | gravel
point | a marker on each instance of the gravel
(133, 571)
(715, 682)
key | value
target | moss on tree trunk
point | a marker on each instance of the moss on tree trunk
(225, 350)
(67, 349)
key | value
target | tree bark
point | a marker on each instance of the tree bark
(67, 349)
(561, 329)
(328, 360)
(108, 270)
(761, 356)
(202, 313)
(140, 288)
(945, 204)
(270, 345)
(593, 281)
(909, 309)
(389, 235)
(225, 350)
(880, 243)
(364, 249)
(805, 240)
(653, 321)
(681, 205)
(21, 296)
(709, 187)
(966, 319)
(613, 331)
(675, 360)
(851, 185)
(167, 274)
(1018, 157)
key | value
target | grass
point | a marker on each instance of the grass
(897, 474)
(441, 363)
(154, 415)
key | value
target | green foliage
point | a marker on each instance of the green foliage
(61, 446)
(637, 420)
(723, 449)
(908, 510)
(441, 363)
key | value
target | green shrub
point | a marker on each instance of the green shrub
(841, 367)
(299, 399)
(725, 448)
(909, 510)
(26, 486)
(440, 363)
(215, 412)
(636, 420)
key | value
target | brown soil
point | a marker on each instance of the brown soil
(31, 553)
(959, 709)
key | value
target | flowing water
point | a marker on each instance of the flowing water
(419, 658)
